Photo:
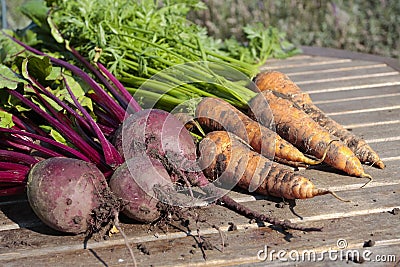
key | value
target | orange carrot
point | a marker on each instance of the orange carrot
(226, 157)
(301, 130)
(217, 114)
(277, 81)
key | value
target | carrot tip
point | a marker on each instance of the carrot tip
(338, 197)
(380, 164)
(319, 161)
(366, 176)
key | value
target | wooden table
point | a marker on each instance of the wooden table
(362, 93)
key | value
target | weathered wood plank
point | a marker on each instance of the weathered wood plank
(183, 251)
(360, 98)
(378, 133)
(347, 95)
(326, 67)
(360, 105)
(357, 84)
(301, 60)
(318, 77)
(367, 117)
(313, 61)
(296, 57)
(364, 201)
(343, 67)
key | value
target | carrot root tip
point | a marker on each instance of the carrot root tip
(380, 164)
(366, 176)
(319, 161)
(338, 197)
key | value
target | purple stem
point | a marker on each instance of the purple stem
(70, 134)
(60, 117)
(4, 165)
(13, 176)
(116, 109)
(27, 126)
(48, 141)
(34, 146)
(17, 121)
(10, 144)
(111, 155)
(105, 119)
(107, 130)
(95, 98)
(133, 104)
(59, 102)
(87, 138)
(122, 100)
(17, 157)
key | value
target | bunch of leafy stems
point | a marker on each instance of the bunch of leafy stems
(200, 80)
(200, 70)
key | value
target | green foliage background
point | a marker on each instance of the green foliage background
(370, 26)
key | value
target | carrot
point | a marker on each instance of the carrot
(186, 120)
(277, 81)
(226, 157)
(217, 114)
(301, 130)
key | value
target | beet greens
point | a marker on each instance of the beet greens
(48, 111)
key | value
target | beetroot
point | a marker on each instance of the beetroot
(134, 181)
(156, 135)
(162, 136)
(69, 194)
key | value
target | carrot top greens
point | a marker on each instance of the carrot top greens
(137, 39)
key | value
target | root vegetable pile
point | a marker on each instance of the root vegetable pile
(302, 131)
(279, 82)
(229, 159)
(86, 143)
(215, 114)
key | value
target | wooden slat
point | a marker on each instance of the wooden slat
(362, 98)
(296, 57)
(325, 68)
(302, 60)
(347, 95)
(356, 84)
(339, 75)
(344, 68)
(389, 102)
(371, 131)
(314, 61)
(366, 117)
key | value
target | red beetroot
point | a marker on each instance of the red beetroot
(134, 181)
(66, 194)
